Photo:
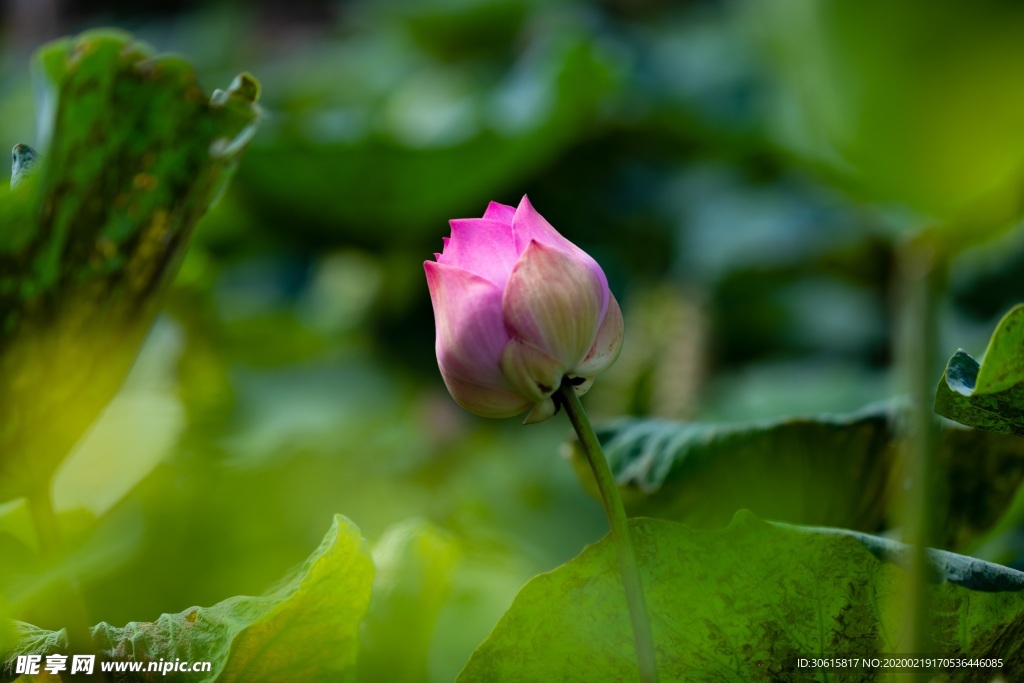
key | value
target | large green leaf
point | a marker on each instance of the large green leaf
(830, 470)
(133, 153)
(414, 561)
(304, 630)
(744, 603)
(988, 396)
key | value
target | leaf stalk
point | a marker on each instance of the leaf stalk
(63, 596)
(923, 271)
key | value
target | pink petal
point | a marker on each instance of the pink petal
(606, 346)
(503, 213)
(481, 246)
(554, 301)
(528, 225)
(483, 400)
(470, 329)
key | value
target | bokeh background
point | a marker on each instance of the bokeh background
(292, 375)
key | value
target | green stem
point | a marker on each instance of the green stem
(922, 271)
(628, 566)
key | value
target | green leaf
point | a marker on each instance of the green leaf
(743, 603)
(414, 563)
(829, 470)
(26, 639)
(988, 396)
(885, 118)
(136, 431)
(133, 154)
(306, 629)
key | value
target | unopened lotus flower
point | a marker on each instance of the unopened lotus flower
(518, 308)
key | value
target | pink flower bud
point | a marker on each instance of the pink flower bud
(518, 307)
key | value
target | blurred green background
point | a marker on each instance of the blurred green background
(292, 375)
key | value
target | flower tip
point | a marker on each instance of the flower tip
(503, 213)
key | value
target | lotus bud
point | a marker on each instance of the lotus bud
(517, 308)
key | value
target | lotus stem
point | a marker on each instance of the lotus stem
(621, 537)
